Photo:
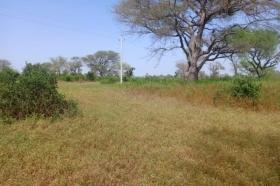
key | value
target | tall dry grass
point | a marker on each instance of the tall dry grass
(141, 139)
(211, 93)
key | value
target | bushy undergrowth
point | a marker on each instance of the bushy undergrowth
(109, 80)
(34, 92)
(261, 95)
(246, 87)
(90, 76)
(72, 77)
(156, 80)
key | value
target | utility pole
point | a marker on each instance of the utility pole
(121, 59)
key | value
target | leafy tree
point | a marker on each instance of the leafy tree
(258, 50)
(182, 68)
(75, 65)
(196, 27)
(127, 70)
(4, 64)
(215, 69)
(59, 65)
(102, 63)
(47, 65)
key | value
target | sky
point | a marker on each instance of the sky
(36, 30)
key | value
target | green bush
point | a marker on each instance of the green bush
(68, 78)
(90, 76)
(109, 80)
(126, 79)
(156, 80)
(71, 77)
(34, 92)
(246, 87)
(7, 77)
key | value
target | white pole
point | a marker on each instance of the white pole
(121, 60)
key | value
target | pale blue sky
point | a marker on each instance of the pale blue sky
(36, 30)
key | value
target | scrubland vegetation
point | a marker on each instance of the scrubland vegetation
(143, 137)
(242, 92)
(60, 125)
(31, 93)
(153, 130)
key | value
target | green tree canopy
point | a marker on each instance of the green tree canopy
(257, 49)
(102, 63)
(265, 41)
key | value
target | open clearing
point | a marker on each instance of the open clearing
(139, 139)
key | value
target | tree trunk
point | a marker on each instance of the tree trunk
(192, 68)
(192, 73)
(193, 58)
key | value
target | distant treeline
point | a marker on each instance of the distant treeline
(102, 64)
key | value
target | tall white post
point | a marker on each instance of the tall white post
(121, 60)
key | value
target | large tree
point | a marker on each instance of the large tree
(102, 63)
(4, 64)
(197, 27)
(59, 65)
(215, 69)
(128, 70)
(258, 50)
(75, 65)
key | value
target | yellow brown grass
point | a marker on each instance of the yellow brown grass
(128, 139)
(214, 94)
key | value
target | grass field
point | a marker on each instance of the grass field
(125, 137)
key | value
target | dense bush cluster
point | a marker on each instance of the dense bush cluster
(33, 92)
(109, 80)
(90, 76)
(246, 87)
(161, 80)
(72, 77)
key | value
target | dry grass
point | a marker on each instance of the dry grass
(128, 139)
(215, 94)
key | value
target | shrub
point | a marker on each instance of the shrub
(157, 80)
(34, 92)
(109, 80)
(8, 76)
(71, 77)
(126, 78)
(90, 76)
(246, 87)
(68, 78)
